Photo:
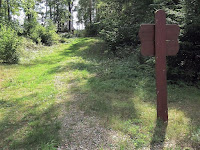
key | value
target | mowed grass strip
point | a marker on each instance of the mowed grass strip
(28, 100)
(121, 92)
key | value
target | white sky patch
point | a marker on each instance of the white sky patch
(20, 18)
(77, 26)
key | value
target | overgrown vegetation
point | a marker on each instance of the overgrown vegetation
(41, 28)
(46, 35)
(118, 22)
(9, 43)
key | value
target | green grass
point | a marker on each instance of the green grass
(121, 92)
(28, 101)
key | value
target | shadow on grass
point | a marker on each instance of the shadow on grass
(158, 138)
(101, 91)
(75, 47)
(105, 86)
(31, 128)
(110, 92)
(25, 125)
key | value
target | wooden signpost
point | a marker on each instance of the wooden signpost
(160, 40)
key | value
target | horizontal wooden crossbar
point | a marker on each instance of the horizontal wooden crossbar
(147, 37)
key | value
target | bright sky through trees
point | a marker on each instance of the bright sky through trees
(77, 26)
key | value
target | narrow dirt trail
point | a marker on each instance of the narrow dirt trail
(78, 130)
(82, 132)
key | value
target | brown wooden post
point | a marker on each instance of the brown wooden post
(160, 40)
(160, 53)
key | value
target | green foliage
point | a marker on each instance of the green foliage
(86, 11)
(30, 21)
(37, 32)
(9, 43)
(50, 37)
(196, 138)
(49, 146)
(91, 30)
(120, 21)
(46, 35)
(79, 33)
(188, 57)
(118, 24)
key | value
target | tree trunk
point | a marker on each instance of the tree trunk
(29, 15)
(70, 11)
(0, 8)
(90, 12)
(50, 9)
(97, 13)
(58, 17)
(8, 10)
(46, 10)
(54, 13)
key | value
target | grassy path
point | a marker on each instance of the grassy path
(81, 79)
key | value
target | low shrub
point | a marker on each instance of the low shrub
(37, 32)
(50, 37)
(9, 43)
(46, 35)
(79, 33)
(91, 30)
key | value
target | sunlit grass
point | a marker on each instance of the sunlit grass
(28, 114)
(121, 92)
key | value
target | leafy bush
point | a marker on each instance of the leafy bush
(9, 42)
(37, 32)
(91, 30)
(79, 33)
(65, 36)
(46, 35)
(50, 37)
(188, 57)
(196, 138)
(118, 28)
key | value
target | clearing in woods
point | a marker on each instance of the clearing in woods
(76, 95)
